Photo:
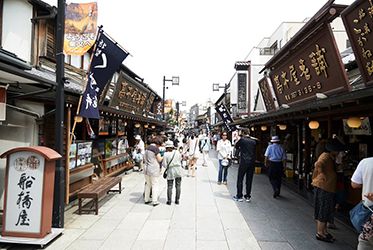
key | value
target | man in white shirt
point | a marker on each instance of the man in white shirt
(363, 178)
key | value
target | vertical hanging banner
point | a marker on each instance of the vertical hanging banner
(106, 59)
(80, 27)
(226, 117)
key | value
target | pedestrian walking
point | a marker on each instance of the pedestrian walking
(363, 178)
(247, 148)
(172, 164)
(275, 160)
(204, 148)
(324, 181)
(192, 150)
(139, 152)
(152, 171)
(224, 148)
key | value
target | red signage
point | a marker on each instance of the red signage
(314, 67)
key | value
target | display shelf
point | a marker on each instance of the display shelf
(114, 165)
(80, 177)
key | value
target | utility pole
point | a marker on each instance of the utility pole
(59, 180)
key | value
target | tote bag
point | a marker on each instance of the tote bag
(359, 215)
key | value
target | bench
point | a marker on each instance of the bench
(97, 190)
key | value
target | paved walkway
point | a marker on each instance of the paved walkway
(207, 218)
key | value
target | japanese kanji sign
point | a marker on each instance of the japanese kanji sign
(266, 94)
(226, 117)
(314, 67)
(106, 59)
(358, 20)
(24, 192)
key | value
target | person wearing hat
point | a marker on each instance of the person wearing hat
(139, 152)
(324, 181)
(172, 164)
(246, 145)
(275, 160)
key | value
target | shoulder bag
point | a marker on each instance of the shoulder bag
(359, 215)
(168, 164)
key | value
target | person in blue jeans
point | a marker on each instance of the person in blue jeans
(224, 148)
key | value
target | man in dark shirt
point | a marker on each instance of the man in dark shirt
(246, 146)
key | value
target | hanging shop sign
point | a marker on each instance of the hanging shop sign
(226, 117)
(358, 20)
(315, 67)
(267, 94)
(29, 186)
(80, 27)
(129, 96)
(242, 92)
(363, 129)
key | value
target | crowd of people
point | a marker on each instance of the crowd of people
(174, 157)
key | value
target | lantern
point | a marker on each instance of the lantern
(263, 128)
(137, 125)
(146, 125)
(153, 127)
(282, 126)
(354, 122)
(313, 124)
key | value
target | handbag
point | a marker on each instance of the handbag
(359, 215)
(168, 164)
(225, 163)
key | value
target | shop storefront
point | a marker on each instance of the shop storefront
(312, 95)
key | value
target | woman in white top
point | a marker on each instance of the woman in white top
(193, 149)
(224, 148)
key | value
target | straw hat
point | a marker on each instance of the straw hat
(275, 139)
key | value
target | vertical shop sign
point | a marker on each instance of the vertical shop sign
(266, 94)
(315, 68)
(358, 20)
(242, 92)
(24, 192)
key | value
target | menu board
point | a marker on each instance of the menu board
(84, 153)
(72, 156)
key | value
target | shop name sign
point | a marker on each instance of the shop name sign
(128, 96)
(266, 94)
(358, 20)
(24, 192)
(314, 67)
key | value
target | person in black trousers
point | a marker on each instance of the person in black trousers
(246, 146)
(275, 160)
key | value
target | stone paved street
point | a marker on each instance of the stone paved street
(207, 218)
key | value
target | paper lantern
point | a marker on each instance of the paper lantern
(137, 125)
(146, 125)
(282, 126)
(153, 127)
(313, 124)
(263, 128)
(354, 122)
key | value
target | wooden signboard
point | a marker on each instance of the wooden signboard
(267, 94)
(315, 67)
(29, 186)
(358, 20)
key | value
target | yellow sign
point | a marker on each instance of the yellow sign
(80, 27)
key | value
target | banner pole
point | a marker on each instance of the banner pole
(99, 32)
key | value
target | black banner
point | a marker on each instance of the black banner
(226, 117)
(106, 59)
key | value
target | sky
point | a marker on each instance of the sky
(197, 40)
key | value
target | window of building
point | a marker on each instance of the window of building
(16, 35)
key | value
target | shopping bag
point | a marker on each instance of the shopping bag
(359, 215)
